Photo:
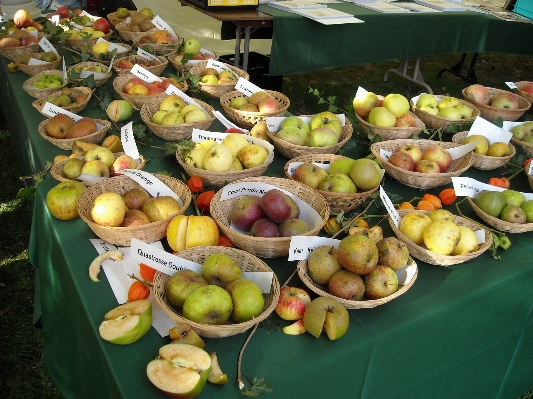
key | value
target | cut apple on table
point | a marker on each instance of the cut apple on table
(295, 328)
(326, 314)
(180, 371)
(184, 334)
(127, 323)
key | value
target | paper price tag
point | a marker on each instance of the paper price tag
(511, 85)
(468, 187)
(144, 74)
(302, 246)
(51, 110)
(157, 21)
(294, 165)
(128, 142)
(492, 132)
(389, 206)
(45, 44)
(35, 61)
(147, 55)
(246, 87)
(151, 184)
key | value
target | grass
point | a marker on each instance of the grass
(21, 373)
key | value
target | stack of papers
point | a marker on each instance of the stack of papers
(415, 7)
(316, 11)
(441, 5)
(380, 6)
(291, 5)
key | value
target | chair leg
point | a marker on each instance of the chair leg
(457, 69)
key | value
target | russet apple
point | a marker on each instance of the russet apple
(135, 197)
(346, 285)
(81, 129)
(292, 303)
(292, 227)
(322, 264)
(380, 282)
(357, 254)
(58, 126)
(134, 217)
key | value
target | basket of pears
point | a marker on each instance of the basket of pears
(43, 84)
(73, 99)
(437, 111)
(34, 63)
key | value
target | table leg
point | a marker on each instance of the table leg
(457, 69)
(401, 70)
(246, 49)
(237, 59)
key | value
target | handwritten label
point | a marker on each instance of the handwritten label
(246, 87)
(393, 213)
(128, 142)
(199, 135)
(151, 184)
(492, 132)
(144, 74)
(159, 23)
(469, 187)
(147, 55)
(52, 110)
(301, 246)
(511, 85)
(219, 66)
(45, 44)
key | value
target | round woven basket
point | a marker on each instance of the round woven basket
(260, 246)
(107, 58)
(485, 162)
(289, 150)
(188, 65)
(249, 119)
(66, 144)
(433, 258)
(392, 133)
(12, 53)
(42, 93)
(136, 101)
(158, 49)
(155, 69)
(519, 87)
(74, 108)
(176, 132)
(87, 44)
(437, 122)
(417, 179)
(490, 113)
(337, 201)
(121, 236)
(322, 290)
(247, 262)
(57, 169)
(128, 35)
(114, 20)
(105, 69)
(219, 179)
(500, 224)
(528, 147)
(35, 69)
(217, 90)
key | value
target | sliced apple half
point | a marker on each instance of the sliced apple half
(326, 314)
(180, 371)
(184, 334)
(296, 328)
(216, 376)
(127, 323)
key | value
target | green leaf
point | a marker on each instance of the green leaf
(259, 386)
(27, 192)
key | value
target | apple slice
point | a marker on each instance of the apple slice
(180, 371)
(328, 314)
(216, 376)
(127, 323)
(184, 334)
(296, 328)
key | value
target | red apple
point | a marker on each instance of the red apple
(153, 85)
(438, 154)
(478, 93)
(169, 81)
(22, 19)
(132, 82)
(402, 160)
(234, 130)
(528, 88)
(155, 90)
(102, 25)
(292, 303)
(413, 150)
(125, 64)
(405, 121)
(29, 40)
(63, 12)
(425, 166)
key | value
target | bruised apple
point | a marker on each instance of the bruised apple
(127, 323)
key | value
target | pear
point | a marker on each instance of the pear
(491, 202)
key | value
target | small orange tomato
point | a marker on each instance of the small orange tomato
(224, 241)
(147, 272)
(138, 291)
(447, 196)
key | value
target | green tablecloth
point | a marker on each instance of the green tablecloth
(463, 331)
(301, 45)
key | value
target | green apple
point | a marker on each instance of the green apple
(62, 199)
(109, 209)
(252, 155)
(181, 284)
(158, 116)
(208, 305)
(326, 314)
(427, 100)
(464, 110)
(309, 174)
(102, 154)
(196, 157)
(194, 115)
(209, 79)
(127, 323)
(219, 269)
(218, 158)
(366, 174)
(294, 121)
(191, 46)
(326, 119)
(341, 165)
(482, 145)
(429, 110)
(294, 135)
(449, 113)
(72, 168)
(380, 282)
(448, 102)
(238, 102)
(322, 137)
(248, 301)
(364, 104)
(491, 202)
(95, 168)
(397, 104)
(513, 197)
(160, 208)
(381, 116)
(172, 118)
(172, 103)
(527, 207)
(338, 183)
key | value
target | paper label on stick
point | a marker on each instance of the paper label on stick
(65, 76)
(128, 142)
(159, 23)
(97, 75)
(51, 110)
(45, 44)
(219, 66)
(393, 213)
(469, 187)
(492, 132)
(246, 87)
(151, 184)
(144, 74)
(36, 61)
(147, 55)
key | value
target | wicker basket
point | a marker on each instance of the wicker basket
(105, 69)
(35, 69)
(155, 69)
(12, 53)
(322, 290)
(528, 147)
(289, 150)
(121, 236)
(249, 119)
(425, 255)
(96, 58)
(176, 132)
(66, 144)
(519, 86)
(42, 93)
(417, 179)
(485, 162)
(437, 122)
(87, 44)
(188, 65)
(74, 108)
(135, 101)
(57, 169)
(131, 36)
(392, 133)
(114, 20)
(267, 247)
(490, 113)
(500, 224)
(158, 49)
(337, 201)
(217, 90)
(247, 262)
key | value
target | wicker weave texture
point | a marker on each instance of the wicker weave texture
(500, 224)
(74, 108)
(66, 144)
(491, 113)
(438, 122)
(485, 162)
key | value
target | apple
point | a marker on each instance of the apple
(429, 110)
(326, 314)
(127, 323)
(184, 334)
(81, 129)
(218, 158)
(366, 174)
(326, 119)
(464, 110)
(295, 121)
(295, 328)
(29, 40)
(478, 93)
(191, 46)
(405, 121)
(119, 110)
(450, 113)
(397, 104)
(363, 105)
(381, 116)
(135, 198)
(322, 264)
(169, 81)
(380, 282)
(209, 80)
(246, 212)
(221, 270)
(235, 142)
(108, 209)
(252, 155)
(426, 166)
(427, 100)
(210, 305)
(527, 88)
(268, 105)
(357, 254)
(160, 208)
(181, 284)
(482, 145)
(447, 102)
(309, 174)
(216, 376)
(134, 217)
(238, 102)
(102, 154)
(101, 25)
(337, 183)
(275, 205)
(95, 168)
(402, 160)
(138, 90)
(185, 232)
(195, 115)
(58, 126)
(322, 137)
(63, 12)
(234, 130)
(414, 151)
(72, 168)
(123, 162)
(248, 301)
(341, 165)
(346, 285)
(292, 303)
(8, 42)
(62, 199)
(257, 97)
(413, 225)
(438, 154)
(293, 227)
(248, 108)
(294, 135)
(132, 82)
(22, 19)
(502, 100)
(171, 118)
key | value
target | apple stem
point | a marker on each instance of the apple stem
(239, 374)
(516, 173)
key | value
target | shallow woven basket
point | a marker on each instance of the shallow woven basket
(260, 246)
(247, 262)
(12, 53)
(289, 150)
(176, 132)
(417, 179)
(42, 93)
(136, 101)
(365, 303)
(105, 69)
(219, 179)
(121, 236)
(249, 119)
(490, 113)
(217, 90)
(131, 36)
(437, 122)
(66, 144)
(500, 224)
(95, 57)
(528, 147)
(392, 133)
(155, 69)
(188, 65)
(158, 49)
(433, 258)
(87, 44)
(485, 162)
(74, 108)
(337, 201)
(57, 169)
(114, 21)
(35, 69)
(519, 86)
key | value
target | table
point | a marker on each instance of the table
(464, 331)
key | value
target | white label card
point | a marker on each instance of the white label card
(492, 132)
(246, 87)
(199, 135)
(171, 89)
(147, 55)
(36, 61)
(97, 75)
(88, 15)
(361, 93)
(151, 184)
(468, 187)
(202, 51)
(128, 20)
(65, 76)
(144, 74)
(226, 122)
(128, 142)
(511, 85)
(393, 213)
(51, 110)
(158, 22)
(302, 246)
(55, 19)
(219, 66)
(45, 44)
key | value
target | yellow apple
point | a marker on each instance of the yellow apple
(184, 232)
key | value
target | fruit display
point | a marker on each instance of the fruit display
(67, 97)
(190, 50)
(523, 132)
(525, 89)
(494, 103)
(433, 159)
(48, 81)
(137, 92)
(101, 73)
(174, 111)
(124, 65)
(159, 36)
(127, 323)
(391, 111)
(49, 58)
(213, 76)
(19, 38)
(184, 232)
(259, 101)
(105, 50)
(139, 21)
(61, 126)
(445, 106)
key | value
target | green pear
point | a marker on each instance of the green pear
(491, 202)
(513, 197)
(513, 214)
(341, 165)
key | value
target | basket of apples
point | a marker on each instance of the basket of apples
(344, 182)
(43, 84)
(487, 155)
(120, 209)
(190, 53)
(19, 43)
(523, 136)
(123, 65)
(388, 117)
(71, 99)
(496, 103)
(87, 36)
(222, 282)
(440, 111)
(421, 163)
(170, 118)
(46, 61)
(159, 42)
(261, 214)
(323, 133)
(525, 89)
(215, 83)
(101, 73)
